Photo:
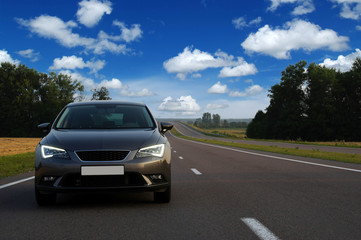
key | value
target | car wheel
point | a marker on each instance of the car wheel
(45, 199)
(162, 197)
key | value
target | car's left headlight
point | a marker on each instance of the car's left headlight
(151, 151)
(48, 152)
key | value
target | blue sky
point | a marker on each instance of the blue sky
(181, 58)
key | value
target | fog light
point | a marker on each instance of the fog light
(49, 179)
(156, 177)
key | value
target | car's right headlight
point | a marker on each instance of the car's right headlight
(48, 152)
(152, 151)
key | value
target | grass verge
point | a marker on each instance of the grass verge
(16, 164)
(241, 134)
(340, 157)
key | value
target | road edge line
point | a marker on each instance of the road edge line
(16, 182)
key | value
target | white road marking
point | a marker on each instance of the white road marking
(196, 172)
(13, 183)
(180, 157)
(270, 156)
(174, 151)
(259, 229)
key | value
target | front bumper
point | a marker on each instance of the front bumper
(64, 175)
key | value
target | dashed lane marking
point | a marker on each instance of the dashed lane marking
(259, 229)
(196, 172)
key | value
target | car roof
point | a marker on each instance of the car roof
(105, 102)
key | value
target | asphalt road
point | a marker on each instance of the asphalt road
(193, 133)
(217, 193)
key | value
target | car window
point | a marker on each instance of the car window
(105, 117)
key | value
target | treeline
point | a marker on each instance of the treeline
(29, 97)
(209, 120)
(314, 103)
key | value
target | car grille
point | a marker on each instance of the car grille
(102, 155)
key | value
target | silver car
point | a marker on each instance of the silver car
(103, 145)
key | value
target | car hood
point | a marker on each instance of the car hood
(127, 139)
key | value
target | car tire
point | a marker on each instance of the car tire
(45, 199)
(162, 197)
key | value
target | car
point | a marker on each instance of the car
(103, 146)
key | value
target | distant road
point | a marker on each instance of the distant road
(188, 131)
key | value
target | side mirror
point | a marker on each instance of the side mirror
(165, 126)
(44, 127)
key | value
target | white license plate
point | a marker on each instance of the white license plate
(102, 170)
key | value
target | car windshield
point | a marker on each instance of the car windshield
(107, 116)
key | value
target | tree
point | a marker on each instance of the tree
(257, 128)
(101, 94)
(320, 103)
(225, 124)
(18, 86)
(348, 103)
(28, 98)
(216, 120)
(206, 120)
(285, 113)
(317, 104)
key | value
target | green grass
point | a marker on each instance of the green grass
(16, 164)
(241, 134)
(340, 157)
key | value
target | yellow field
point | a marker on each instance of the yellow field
(238, 133)
(230, 132)
(11, 146)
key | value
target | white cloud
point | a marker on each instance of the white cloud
(142, 93)
(297, 34)
(242, 108)
(192, 61)
(342, 63)
(129, 34)
(214, 106)
(358, 27)
(218, 88)
(276, 3)
(196, 75)
(103, 45)
(5, 57)
(302, 6)
(243, 69)
(113, 84)
(29, 53)
(74, 62)
(351, 9)
(87, 82)
(124, 89)
(185, 105)
(90, 12)
(55, 28)
(255, 21)
(240, 22)
(250, 91)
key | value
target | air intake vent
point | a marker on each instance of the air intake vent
(102, 155)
